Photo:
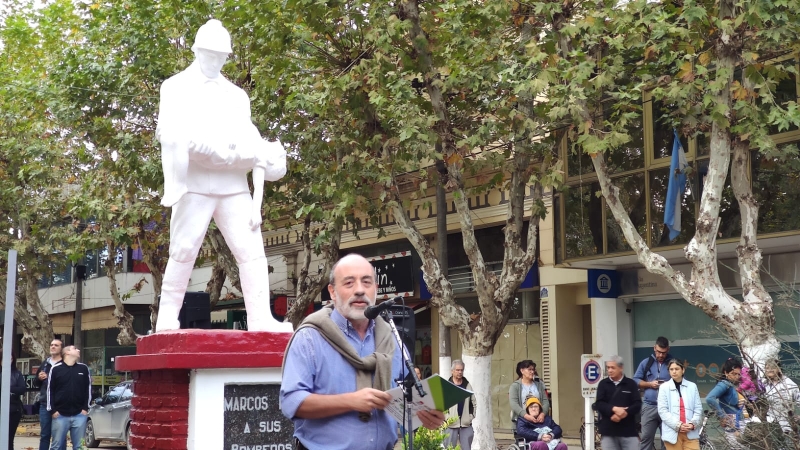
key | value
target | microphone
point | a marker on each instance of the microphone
(372, 312)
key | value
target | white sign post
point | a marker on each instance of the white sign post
(591, 374)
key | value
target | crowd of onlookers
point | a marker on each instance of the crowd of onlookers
(64, 393)
(657, 398)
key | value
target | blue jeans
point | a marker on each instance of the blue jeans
(45, 422)
(76, 425)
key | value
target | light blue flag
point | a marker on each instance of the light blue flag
(675, 188)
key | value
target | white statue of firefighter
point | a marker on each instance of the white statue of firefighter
(208, 145)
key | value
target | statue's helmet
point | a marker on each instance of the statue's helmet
(213, 36)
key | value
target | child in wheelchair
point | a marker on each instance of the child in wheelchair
(545, 435)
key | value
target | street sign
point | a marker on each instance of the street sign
(591, 374)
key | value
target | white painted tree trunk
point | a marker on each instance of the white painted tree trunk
(749, 323)
(444, 367)
(478, 370)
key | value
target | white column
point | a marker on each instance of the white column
(605, 326)
(625, 335)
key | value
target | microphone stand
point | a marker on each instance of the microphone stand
(408, 394)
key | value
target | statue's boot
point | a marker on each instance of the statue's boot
(173, 289)
(254, 276)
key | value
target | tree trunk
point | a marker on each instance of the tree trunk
(33, 320)
(310, 284)
(749, 323)
(225, 257)
(478, 370)
(478, 333)
(126, 334)
(158, 277)
(215, 282)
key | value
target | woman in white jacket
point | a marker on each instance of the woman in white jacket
(680, 410)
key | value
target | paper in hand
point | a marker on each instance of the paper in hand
(440, 395)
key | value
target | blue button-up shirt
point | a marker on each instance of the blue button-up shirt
(657, 371)
(312, 366)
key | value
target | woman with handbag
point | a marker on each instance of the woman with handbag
(680, 409)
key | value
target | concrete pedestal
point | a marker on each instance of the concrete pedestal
(207, 389)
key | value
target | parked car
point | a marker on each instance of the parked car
(110, 416)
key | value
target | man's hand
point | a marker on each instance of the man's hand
(654, 384)
(615, 418)
(367, 399)
(620, 412)
(84, 412)
(432, 419)
(686, 427)
(42, 375)
(546, 437)
(55, 415)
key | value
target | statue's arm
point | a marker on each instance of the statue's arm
(174, 154)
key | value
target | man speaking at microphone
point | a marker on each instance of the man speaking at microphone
(338, 365)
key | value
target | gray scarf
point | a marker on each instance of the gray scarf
(378, 363)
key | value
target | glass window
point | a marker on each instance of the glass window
(630, 155)
(127, 394)
(525, 306)
(776, 186)
(94, 338)
(557, 227)
(583, 220)
(659, 182)
(676, 319)
(631, 193)
(662, 132)
(113, 395)
(91, 262)
(785, 91)
(703, 145)
(578, 162)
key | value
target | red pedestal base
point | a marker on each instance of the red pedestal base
(161, 371)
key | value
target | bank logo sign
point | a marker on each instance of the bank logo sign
(603, 283)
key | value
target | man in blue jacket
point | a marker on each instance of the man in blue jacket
(652, 371)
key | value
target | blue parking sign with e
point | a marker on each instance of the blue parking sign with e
(592, 372)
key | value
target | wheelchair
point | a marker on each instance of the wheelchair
(520, 443)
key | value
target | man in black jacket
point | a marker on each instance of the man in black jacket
(68, 395)
(41, 382)
(617, 403)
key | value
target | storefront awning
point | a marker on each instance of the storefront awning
(91, 319)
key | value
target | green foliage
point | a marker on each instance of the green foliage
(425, 439)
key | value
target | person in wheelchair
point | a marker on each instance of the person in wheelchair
(539, 436)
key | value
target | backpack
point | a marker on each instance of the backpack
(650, 361)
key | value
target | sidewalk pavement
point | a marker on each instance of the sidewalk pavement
(27, 438)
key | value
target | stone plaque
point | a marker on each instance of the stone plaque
(253, 420)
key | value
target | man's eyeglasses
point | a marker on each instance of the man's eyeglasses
(658, 352)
